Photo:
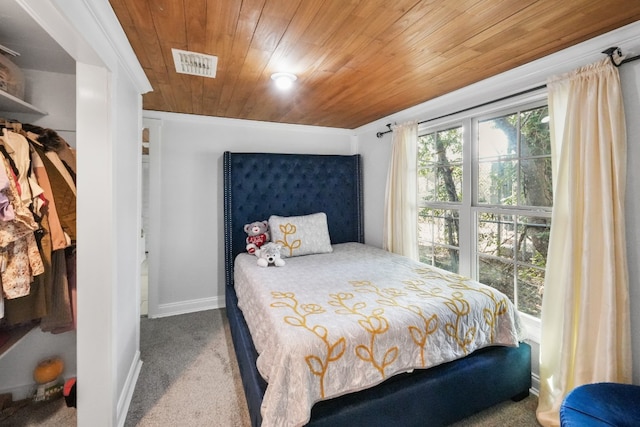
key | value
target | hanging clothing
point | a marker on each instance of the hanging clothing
(37, 243)
(71, 278)
(6, 209)
(20, 258)
(18, 148)
(21, 261)
(59, 317)
(59, 240)
(51, 141)
(34, 306)
(63, 189)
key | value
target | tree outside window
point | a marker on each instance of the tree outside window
(509, 210)
(440, 184)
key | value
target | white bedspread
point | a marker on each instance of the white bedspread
(325, 325)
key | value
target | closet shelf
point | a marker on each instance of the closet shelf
(10, 103)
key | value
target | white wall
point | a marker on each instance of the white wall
(188, 248)
(376, 152)
(96, 264)
(630, 78)
(126, 169)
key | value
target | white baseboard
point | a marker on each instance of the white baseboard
(535, 384)
(184, 307)
(127, 392)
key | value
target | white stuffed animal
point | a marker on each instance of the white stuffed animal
(269, 253)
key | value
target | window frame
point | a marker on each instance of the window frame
(468, 208)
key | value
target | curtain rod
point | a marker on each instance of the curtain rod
(611, 52)
(513, 95)
(615, 51)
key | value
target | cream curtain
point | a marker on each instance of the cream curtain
(401, 207)
(585, 308)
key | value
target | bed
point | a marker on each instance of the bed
(258, 185)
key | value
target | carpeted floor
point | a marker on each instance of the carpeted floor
(190, 377)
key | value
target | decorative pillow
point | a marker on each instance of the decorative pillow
(301, 235)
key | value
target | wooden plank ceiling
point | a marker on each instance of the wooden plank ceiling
(356, 61)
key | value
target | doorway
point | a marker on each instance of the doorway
(151, 215)
(144, 230)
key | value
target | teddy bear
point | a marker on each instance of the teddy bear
(257, 235)
(269, 254)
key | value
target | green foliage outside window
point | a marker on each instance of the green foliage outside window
(511, 205)
(440, 180)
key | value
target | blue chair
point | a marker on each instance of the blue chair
(601, 404)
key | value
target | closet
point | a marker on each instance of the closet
(31, 328)
(106, 93)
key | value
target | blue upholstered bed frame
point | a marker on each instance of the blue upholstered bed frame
(257, 185)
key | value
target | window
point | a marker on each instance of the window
(485, 200)
(440, 193)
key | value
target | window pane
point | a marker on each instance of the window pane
(535, 179)
(446, 258)
(442, 147)
(497, 274)
(533, 244)
(426, 149)
(440, 166)
(427, 187)
(508, 242)
(497, 183)
(438, 231)
(496, 234)
(533, 240)
(514, 154)
(530, 287)
(534, 133)
(440, 184)
(448, 147)
(450, 183)
(498, 137)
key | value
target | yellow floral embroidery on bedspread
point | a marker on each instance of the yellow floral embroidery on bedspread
(419, 333)
(334, 350)
(376, 324)
(460, 306)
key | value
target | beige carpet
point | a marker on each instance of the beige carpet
(189, 374)
(190, 377)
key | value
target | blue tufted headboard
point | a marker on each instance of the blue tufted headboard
(258, 185)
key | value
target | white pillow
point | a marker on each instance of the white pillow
(301, 235)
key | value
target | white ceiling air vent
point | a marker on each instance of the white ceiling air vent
(197, 64)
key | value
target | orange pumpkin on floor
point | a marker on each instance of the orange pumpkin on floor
(48, 370)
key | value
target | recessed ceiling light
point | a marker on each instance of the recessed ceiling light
(284, 81)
